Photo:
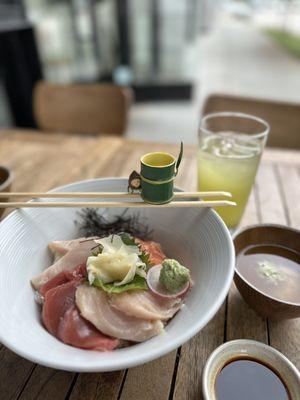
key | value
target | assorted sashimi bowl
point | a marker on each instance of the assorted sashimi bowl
(43, 322)
(110, 292)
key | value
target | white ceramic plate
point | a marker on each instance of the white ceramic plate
(196, 237)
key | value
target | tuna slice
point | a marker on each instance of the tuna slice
(156, 255)
(78, 332)
(61, 247)
(62, 319)
(94, 306)
(143, 304)
(78, 255)
(64, 277)
(57, 301)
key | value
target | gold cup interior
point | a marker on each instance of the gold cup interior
(158, 159)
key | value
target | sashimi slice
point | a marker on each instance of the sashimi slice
(61, 247)
(78, 332)
(154, 250)
(78, 255)
(64, 277)
(94, 306)
(143, 304)
(57, 301)
(58, 280)
(62, 319)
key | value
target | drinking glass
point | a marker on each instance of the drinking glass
(230, 149)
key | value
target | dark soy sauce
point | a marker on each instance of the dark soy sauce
(274, 270)
(248, 379)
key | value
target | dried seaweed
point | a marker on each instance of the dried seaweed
(92, 223)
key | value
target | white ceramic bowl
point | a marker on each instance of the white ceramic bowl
(196, 237)
(249, 349)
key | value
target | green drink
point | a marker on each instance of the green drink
(228, 161)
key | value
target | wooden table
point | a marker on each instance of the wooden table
(41, 162)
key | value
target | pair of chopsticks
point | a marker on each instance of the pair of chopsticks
(112, 195)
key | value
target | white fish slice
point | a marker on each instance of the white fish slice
(142, 304)
(61, 247)
(94, 306)
(78, 255)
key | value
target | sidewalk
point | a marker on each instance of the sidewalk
(240, 59)
(234, 58)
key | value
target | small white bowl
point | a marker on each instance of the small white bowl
(196, 237)
(249, 349)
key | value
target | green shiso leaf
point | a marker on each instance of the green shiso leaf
(137, 283)
(129, 240)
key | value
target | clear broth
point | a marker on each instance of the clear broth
(248, 379)
(274, 270)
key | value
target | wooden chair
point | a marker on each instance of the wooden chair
(82, 108)
(284, 118)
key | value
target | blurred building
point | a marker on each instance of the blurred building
(147, 44)
(178, 52)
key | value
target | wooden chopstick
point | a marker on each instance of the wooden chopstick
(103, 204)
(103, 195)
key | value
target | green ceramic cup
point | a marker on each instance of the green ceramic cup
(158, 171)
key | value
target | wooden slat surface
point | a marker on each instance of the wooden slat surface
(41, 162)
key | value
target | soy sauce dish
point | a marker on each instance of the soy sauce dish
(246, 369)
(267, 272)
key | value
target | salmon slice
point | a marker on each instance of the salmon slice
(156, 255)
(143, 304)
(94, 306)
(62, 319)
(68, 262)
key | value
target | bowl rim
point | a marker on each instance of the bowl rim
(8, 180)
(154, 353)
(237, 272)
(249, 344)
